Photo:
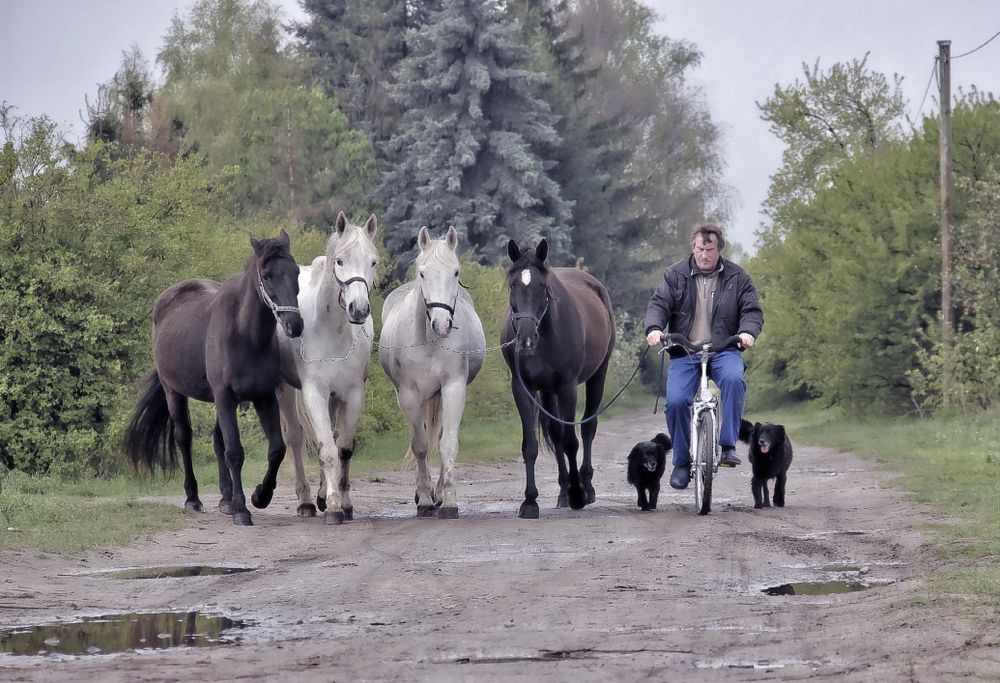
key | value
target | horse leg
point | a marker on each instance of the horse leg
(350, 414)
(553, 432)
(317, 402)
(177, 405)
(270, 420)
(569, 445)
(592, 403)
(529, 448)
(412, 405)
(452, 407)
(225, 407)
(225, 482)
(291, 432)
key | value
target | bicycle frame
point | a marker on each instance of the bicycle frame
(706, 400)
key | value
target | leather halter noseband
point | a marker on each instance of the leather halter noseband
(340, 296)
(269, 302)
(530, 316)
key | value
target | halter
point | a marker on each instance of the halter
(428, 305)
(269, 302)
(343, 285)
(530, 316)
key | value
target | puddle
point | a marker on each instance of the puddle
(817, 588)
(119, 633)
(175, 572)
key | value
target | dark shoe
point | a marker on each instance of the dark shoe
(680, 477)
(729, 458)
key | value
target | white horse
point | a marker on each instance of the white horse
(329, 364)
(431, 347)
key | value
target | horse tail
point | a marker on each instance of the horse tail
(149, 437)
(432, 424)
(545, 426)
(309, 439)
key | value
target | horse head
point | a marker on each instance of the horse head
(527, 280)
(351, 257)
(438, 270)
(277, 278)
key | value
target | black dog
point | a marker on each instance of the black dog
(770, 456)
(646, 463)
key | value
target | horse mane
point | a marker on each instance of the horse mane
(350, 237)
(528, 258)
(437, 250)
(270, 249)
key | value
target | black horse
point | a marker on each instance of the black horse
(564, 328)
(216, 343)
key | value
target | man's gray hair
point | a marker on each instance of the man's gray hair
(706, 230)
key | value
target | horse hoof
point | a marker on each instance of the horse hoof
(577, 500)
(448, 512)
(348, 513)
(261, 497)
(242, 519)
(425, 511)
(562, 501)
(333, 517)
(591, 496)
(528, 510)
(306, 510)
(225, 507)
(321, 503)
(193, 506)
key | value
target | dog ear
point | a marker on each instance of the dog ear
(746, 430)
(663, 440)
(780, 429)
(634, 453)
(756, 431)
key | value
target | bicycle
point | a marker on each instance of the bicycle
(704, 443)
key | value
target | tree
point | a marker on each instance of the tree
(474, 146)
(354, 45)
(241, 99)
(830, 118)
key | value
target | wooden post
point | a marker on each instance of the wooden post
(947, 325)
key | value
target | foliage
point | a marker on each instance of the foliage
(86, 243)
(474, 144)
(240, 98)
(849, 280)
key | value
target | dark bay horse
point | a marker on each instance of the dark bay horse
(563, 324)
(216, 343)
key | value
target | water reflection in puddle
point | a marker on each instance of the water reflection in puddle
(175, 572)
(817, 588)
(119, 633)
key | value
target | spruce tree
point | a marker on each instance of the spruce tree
(475, 145)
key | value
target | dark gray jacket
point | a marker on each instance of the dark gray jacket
(735, 308)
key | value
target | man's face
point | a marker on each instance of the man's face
(706, 252)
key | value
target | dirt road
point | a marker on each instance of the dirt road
(604, 594)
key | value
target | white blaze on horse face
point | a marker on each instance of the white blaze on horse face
(526, 277)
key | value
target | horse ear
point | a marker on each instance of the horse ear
(284, 239)
(452, 237)
(423, 238)
(542, 250)
(341, 223)
(255, 244)
(371, 226)
(513, 251)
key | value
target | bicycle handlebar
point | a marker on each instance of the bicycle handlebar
(673, 339)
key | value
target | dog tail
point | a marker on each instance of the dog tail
(746, 428)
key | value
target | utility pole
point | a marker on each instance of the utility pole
(947, 327)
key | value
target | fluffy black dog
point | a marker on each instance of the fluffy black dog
(770, 456)
(646, 463)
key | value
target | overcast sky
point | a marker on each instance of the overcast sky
(54, 52)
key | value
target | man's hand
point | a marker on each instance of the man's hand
(654, 337)
(746, 340)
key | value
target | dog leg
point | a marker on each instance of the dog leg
(641, 499)
(755, 486)
(779, 491)
(654, 493)
(764, 493)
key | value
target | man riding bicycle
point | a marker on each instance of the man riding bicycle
(705, 298)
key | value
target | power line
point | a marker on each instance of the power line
(930, 78)
(964, 54)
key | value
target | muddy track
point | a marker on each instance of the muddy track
(607, 593)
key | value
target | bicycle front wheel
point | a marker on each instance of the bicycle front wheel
(701, 468)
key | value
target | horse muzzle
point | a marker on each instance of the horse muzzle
(442, 328)
(291, 324)
(358, 313)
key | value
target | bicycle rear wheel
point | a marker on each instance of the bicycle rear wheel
(701, 468)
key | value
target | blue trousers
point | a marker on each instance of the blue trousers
(683, 377)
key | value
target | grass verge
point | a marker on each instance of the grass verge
(950, 463)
